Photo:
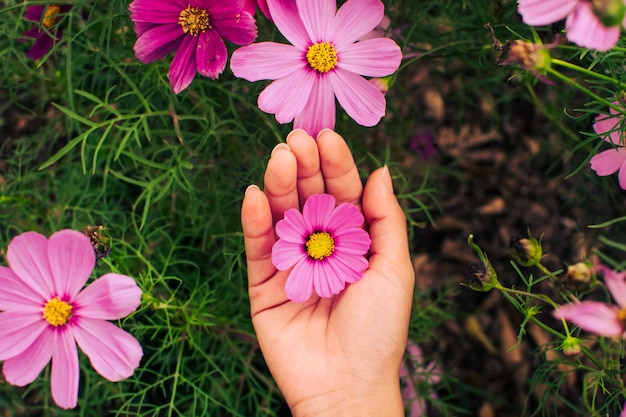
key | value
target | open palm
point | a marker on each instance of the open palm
(343, 352)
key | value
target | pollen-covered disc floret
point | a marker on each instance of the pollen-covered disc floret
(57, 312)
(194, 20)
(50, 15)
(322, 57)
(325, 245)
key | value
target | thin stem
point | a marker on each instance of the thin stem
(591, 94)
(587, 72)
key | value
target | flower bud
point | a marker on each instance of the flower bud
(526, 251)
(579, 273)
(609, 12)
(571, 346)
(482, 275)
(530, 56)
(382, 84)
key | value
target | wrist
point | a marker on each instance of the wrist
(383, 400)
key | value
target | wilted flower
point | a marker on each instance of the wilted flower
(324, 244)
(46, 313)
(49, 32)
(482, 275)
(526, 251)
(591, 24)
(611, 160)
(324, 61)
(195, 31)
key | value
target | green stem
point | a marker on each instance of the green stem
(587, 72)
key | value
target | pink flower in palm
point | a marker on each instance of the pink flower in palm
(611, 160)
(325, 245)
(46, 313)
(50, 32)
(583, 24)
(596, 317)
(195, 29)
(324, 61)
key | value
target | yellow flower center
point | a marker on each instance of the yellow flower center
(621, 316)
(320, 245)
(322, 57)
(57, 312)
(50, 15)
(194, 20)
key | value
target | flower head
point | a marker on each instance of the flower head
(611, 160)
(596, 317)
(49, 32)
(46, 313)
(325, 245)
(324, 61)
(194, 29)
(591, 24)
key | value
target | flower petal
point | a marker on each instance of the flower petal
(113, 353)
(608, 162)
(238, 28)
(299, 285)
(33, 13)
(353, 241)
(18, 331)
(288, 22)
(592, 316)
(72, 260)
(317, 209)
(344, 216)
(65, 373)
(210, 54)
(292, 228)
(158, 42)
(349, 267)
(372, 58)
(359, 98)
(110, 297)
(183, 67)
(286, 254)
(42, 45)
(317, 17)
(622, 176)
(608, 126)
(27, 256)
(616, 283)
(266, 61)
(16, 295)
(287, 96)
(24, 368)
(544, 12)
(355, 19)
(585, 29)
(319, 112)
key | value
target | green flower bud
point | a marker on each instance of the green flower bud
(526, 251)
(609, 12)
(482, 276)
(571, 346)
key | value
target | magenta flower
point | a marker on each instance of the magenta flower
(596, 317)
(49, 33)
(192, 28)
(324, 61)
(423, 144)
(584, 24)
(325, 245)
(611, 160)
(45, 313)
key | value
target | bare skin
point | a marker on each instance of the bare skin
(337, 356)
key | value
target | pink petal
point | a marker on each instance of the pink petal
(584, 29)
(113, 353)
(110, 297)
(156, 16)
(24, 368)
(249, 6)
(352, 241)
(27, 256)
(183, 66)
(266, 61)
(210, 54)
(299, 285)
(33, 13)
(317, 209)
(605, 123)
(158, 42)
(265, 9)
(65, 372)
(292, 228)
(237, 28)
(328, 280)
(608, 162)
(544, 12)
(622, 176)
(344, 216)
(72, 260)
(287, 96)
(319, 112)
(593, 316)
(616, 283)
(18, 331)
(372, 58)
(16, 295)
(355, 19)
(350, 268)
(317, 17)
(285, 254)
(288, 22)
(221, 8)
(42, 46)
(140, 8)
(359, 98)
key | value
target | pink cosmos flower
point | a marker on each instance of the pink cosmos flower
(324, 61)
(583, 25)
(611, 160)
(49, 33)
(425, 375)
(325, 245)
(596, 317)
(193, 28)
(46, 312)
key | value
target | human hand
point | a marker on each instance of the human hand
(340, 355)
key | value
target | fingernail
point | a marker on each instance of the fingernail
(280, 146)
(251, 187)
(294, 132)
(322, 132)
(387, 179)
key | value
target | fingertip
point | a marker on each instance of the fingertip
(280, 146)
(255, 211)
(324, 132)
(297, 133)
